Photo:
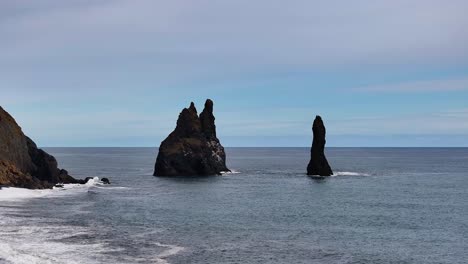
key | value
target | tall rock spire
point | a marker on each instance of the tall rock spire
(207, 120)
(192, 149)
(188, 123)
(318, 164)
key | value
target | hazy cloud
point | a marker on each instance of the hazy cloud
(420, 86)
(239, 33)
(110, 69)
(411, 124)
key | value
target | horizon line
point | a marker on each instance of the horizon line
(264, 147)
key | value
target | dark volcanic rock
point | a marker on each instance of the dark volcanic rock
(105, 181)
(318, 164)
(46, 166)
(22, 164)
(208, 126)
(192, 149)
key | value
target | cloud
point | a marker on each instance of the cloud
(237, 34)
(419, 86)
(121, 66)
(443, 122)
(93, 47)
(455, 113)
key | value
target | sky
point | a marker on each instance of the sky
(107, 73)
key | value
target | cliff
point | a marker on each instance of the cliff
(22, 164)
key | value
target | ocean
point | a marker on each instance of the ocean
(385, 205)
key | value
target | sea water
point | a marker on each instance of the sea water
(384, 205)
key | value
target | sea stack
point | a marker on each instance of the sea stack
(318, 165)
(22, 164)
(192, 149)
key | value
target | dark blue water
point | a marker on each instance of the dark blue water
(387, 205)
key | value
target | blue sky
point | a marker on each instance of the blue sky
(117, 73)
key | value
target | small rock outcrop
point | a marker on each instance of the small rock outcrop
(105, 181)
(318, 165)
(22, 164)
(192, 149)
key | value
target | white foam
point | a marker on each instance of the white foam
(170, 251)
(13, 194)
(11, 255)
(93, 181)
(16, 194)
(230, 172)
(28, 240)
(113, 188)
(349, 173)
(25, 240)
(34, 244)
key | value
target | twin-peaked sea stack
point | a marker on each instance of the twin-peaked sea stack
(22, 164)
(318, 165)
(192, 149)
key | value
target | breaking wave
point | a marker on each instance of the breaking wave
(170, 251)
(16, 194)
(349, 173)
(230, 172)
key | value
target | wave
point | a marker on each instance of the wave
(28, 240)
(113, 188)
(349, 173)
(8, 254)
(16, 194)
(170, 251)
(13, 194)
(230, 172)
(28, 250)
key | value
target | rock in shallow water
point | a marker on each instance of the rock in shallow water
(192, 149)
(318, 165)
(105, 181)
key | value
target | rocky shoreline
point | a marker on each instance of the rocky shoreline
(23, 164)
